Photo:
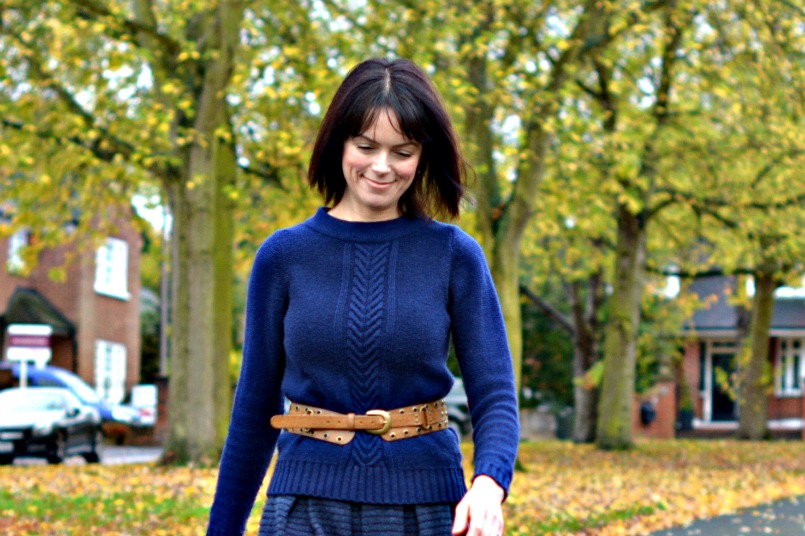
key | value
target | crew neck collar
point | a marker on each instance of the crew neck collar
(363, 231)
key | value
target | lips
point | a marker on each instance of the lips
(379, 184)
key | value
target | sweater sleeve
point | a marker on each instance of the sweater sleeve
(482, 349)
(251, 440)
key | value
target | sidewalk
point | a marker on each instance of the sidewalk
(785, 517)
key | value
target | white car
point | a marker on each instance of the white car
(47, 422)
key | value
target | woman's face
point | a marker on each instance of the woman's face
(379, 165)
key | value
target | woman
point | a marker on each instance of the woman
(350, 315)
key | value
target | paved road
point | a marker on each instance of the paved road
(123, 454)
(112, 455)
(785, 517)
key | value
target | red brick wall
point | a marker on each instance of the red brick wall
(691, 366)
(95, 316)
(109, 318)
(63, 352)
(663, 398)
(785, 408)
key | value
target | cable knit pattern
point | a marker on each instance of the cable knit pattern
(352, 316)
(364, 327)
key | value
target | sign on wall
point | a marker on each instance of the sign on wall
(28, 343)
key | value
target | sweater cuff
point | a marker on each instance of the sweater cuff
(500, 475)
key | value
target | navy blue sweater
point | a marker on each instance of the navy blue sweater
(353, 316)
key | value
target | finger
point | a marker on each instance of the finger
(493, 524)
(477, 520)
(460, 522)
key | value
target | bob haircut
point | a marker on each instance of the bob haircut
(402, 87)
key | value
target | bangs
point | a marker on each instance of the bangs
(409, 118)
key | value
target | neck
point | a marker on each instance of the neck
(364, 231)
(343, 212)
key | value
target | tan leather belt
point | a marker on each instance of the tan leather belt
(340, 428)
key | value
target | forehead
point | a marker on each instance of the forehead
(385, 124)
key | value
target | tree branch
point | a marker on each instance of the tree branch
(93, 146)
(117, 146)
(595, 299)
(270, 175)
(672, 32)
(704, 201)
(590, 34)
(133, 28)
(563, 321)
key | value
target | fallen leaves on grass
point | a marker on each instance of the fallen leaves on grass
(576, 489)
(568, 489)
(117, 499)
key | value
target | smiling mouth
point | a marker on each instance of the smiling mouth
(379, 183)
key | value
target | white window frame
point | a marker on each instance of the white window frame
(16, 243)
(713, 346)
(110, 370)
(786, 376)
(112, 269)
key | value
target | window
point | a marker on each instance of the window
(110, 371)
(790, 367)
(111, 269)
(16, 243)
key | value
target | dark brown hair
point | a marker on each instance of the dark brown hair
(402, 87)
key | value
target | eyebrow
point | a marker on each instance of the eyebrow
(367, 138)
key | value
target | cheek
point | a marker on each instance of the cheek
(352, 160)
(408, 169)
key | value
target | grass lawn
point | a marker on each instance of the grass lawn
(568, 489)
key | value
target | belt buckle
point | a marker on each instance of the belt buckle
(426, 424)
(386, 421)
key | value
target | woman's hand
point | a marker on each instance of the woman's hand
(479, 512)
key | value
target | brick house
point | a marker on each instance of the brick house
(94, 313)
(710, 351)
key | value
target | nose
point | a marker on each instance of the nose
(381, 163)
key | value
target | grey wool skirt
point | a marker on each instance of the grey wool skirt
(290, 515)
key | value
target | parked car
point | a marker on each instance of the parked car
(117, 419)
(47, 422)
(144, 401)
(458, 411)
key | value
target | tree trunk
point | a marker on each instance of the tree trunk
(200, 399)
(614, 430)
(480, 147)
(200, 390)
(585, 354)
(755, 378)
(505, 273)
(585, 399)
(502, 222)
(585, 395)
(583, 328)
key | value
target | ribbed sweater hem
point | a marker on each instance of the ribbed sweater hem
(368, 484)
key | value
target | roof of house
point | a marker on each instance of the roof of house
(718, 314)
(789, 313)
(28, 306)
